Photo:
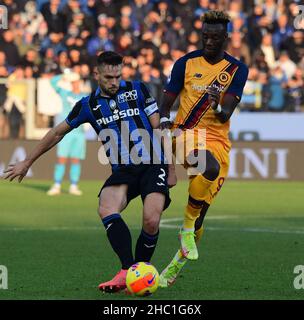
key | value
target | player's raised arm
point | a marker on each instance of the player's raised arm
(232, 96)
(172, 89)
(152, 112)
(48, 141)
(224, 111)
(166, 105)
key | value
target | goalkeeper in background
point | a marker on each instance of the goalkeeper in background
(73, 146)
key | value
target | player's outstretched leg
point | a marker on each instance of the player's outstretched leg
(170, 273)
(120, 239)
(117, 284)
(112, 201)
(147, 240)
(199, 192)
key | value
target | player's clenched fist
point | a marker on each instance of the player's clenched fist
(213, 97)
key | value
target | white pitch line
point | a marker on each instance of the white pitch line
(256, 230)
(165, 224)
(51, 229)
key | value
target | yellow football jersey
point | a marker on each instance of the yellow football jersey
(191, 76)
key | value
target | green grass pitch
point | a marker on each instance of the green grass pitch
(56, 247)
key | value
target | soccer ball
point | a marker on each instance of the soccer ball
(142, 279)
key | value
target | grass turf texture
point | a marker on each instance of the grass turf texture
(56, 247)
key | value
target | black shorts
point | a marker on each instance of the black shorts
(142, 180)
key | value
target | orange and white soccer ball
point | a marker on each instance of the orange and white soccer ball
(142, 279)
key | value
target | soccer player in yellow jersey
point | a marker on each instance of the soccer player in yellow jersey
(210, 83)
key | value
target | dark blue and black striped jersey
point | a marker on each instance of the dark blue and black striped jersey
(122, 123)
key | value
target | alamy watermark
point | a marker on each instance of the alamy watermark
(299, 20)
(3, 17)
(298, 281)
(122, 146)
(3, 277)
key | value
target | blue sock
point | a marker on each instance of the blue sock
(145, 246)
(120, 239)
(59, 172)
(75, 171)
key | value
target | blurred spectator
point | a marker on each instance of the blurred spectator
(258, 59)
(125, 25)
(13, 7)
(25, 43)
(238, 25)
(254, 27)
(287, 65)
(9, 48)
(164, 12)
(128, 72)
(3, 90)
(252, 94)
(63, 61)
(55, 19)
(108, 7)
(276, 86)
(100, 42)
(238, 48)
(75, 57)
(268, 50)
(194, 39)
(164, 50)
(15, 102)
(75, 14)
(282, 31)
(87, 79)
(125, 45)
(175, 35)
(54, 41)
(31, 18)
(28, 72)
(49, 67)
(295, 46)
(154, 83)
(295, 91)
(270, 9)
(139, 10)
(203, 7)
(31, 59)
(183, 10)
(4, 65)
(111, 25)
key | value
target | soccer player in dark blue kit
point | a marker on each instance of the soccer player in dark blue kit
(116, 103)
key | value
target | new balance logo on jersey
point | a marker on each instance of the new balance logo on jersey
(117, 115)
(127, 96)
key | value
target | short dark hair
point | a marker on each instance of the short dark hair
(109, 57)
(215, 17)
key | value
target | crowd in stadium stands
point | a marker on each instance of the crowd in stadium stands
(45, 37)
